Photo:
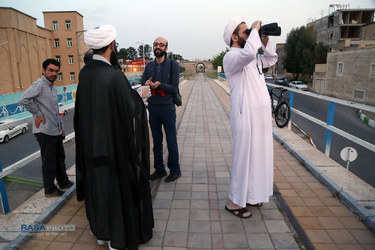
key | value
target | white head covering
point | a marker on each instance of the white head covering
(100, 37)
(231, 26)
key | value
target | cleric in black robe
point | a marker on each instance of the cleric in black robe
(112, 149)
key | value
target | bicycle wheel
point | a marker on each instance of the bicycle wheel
(282, 114)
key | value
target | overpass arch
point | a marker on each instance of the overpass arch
(200, 67)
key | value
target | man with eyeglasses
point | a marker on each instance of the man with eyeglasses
(250, 116)
(162, 75)
(41, 100)
(112, 148)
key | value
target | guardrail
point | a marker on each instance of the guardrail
(21, 163)
(328, 125)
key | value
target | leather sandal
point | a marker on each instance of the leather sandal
(239, 212)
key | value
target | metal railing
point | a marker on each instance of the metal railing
(328, 125)
(21, 163)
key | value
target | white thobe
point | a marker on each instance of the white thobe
(251, 122)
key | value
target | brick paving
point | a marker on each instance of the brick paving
(190, 214)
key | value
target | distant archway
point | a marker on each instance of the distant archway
(200, 67)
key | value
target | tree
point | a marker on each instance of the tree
(132, 53)
(172, 56)
(147, 51)
(302, 51)
(218, 59)
(123, 54)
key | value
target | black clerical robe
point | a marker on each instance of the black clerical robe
(112, 156)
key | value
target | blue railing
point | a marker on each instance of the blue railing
(328, 125)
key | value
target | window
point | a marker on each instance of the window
(67, 25)
(359, 94)
(55, 26)
(58, 58)
(340, 68)
(59, 77)
(57, 43)
(72, 77)
(372, 69)
(69, 42)
(71, 60)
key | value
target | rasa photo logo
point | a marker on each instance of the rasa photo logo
(48, 228)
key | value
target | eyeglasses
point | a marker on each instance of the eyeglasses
(161, 45)
(116, 44)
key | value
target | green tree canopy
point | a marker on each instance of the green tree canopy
(147, 52)
(302, 51)
(123, 54)
(172, 56)
(218, 59)
(132, 53)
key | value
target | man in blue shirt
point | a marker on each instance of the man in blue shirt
(162, 75)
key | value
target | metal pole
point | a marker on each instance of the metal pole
(3, 194)
(330, 116)
(291, 94)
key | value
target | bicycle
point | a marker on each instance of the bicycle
(281, 110)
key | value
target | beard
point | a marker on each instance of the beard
(159, 53)
(241, 42)
(114, 59)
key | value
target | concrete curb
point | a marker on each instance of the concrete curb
(366, 120)
(23, 238)
(354, 206)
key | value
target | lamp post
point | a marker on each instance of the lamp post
(143, 48)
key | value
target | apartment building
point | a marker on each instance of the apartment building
(345, 25)
(67, 43)
(24, 46)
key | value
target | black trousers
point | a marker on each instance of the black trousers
(53, 161)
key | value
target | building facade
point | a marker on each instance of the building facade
(345, 24)
(24, 46)
(68, 45)
(348, 75)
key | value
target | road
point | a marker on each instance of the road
(23, 145)
(346, 119)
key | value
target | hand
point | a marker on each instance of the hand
(256, 25)
(145, 92)
(147, 83)
(38, 120)
(154, 85)
(63, 134)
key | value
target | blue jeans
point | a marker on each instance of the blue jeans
(167, 119)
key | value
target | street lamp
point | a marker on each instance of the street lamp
(143, 47)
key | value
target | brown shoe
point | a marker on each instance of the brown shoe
(56, 193)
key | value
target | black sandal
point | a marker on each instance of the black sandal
(241, 212)
(254, 205)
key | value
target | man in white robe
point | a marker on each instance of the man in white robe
(250, 116)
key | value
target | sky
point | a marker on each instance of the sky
(194, 28)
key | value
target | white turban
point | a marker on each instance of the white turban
(100, 37)
(231, 26)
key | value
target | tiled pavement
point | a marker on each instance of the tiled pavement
(190, 213)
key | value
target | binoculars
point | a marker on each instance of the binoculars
(271, 29)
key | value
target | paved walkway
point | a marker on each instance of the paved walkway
(190, 214)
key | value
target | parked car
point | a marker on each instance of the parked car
(298, 85)
(12, 131)
(62, 109)
(268, 77)
(282, 81)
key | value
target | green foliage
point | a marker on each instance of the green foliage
(302, 51)
(123, 54)
(182, 69)
(132, 53)
(172, 56)
(147, 51)
(218, 59)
